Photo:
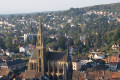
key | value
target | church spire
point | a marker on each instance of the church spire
(40, 26)
(40, 50)
(39, 35)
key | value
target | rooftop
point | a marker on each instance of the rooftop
(31, 74)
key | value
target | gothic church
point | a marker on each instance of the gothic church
(56, 65)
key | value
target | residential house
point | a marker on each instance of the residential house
(115, 46)
(29, 37)
(9, 53)
(1, 52)
(112, 66)
(19, 54)
(14, 64)
(102, 75)
(93, 50)
(53, 36)
(6, 58)
(68, 36)
(33, 75)
(91, 56)
(76, 75)
(1, 61)
(73, 49)
(69, 21)
(112, 61)
(76, 63)
(99, 55)
(82, 39)
(85, 60)
(115, 75)
(27, 49)
(15, 40)
(19, 77)
(98, 75)
(113, 58)
(5, 74)
(22, 49)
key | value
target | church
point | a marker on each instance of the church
(55, 65)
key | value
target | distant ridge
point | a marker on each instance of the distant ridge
(92, 7)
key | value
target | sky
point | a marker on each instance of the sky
(30, 6)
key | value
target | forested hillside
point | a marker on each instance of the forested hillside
(99, 24)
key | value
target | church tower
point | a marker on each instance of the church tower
(40, 50)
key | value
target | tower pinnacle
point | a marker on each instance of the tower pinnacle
(39, 35)
(40, 26)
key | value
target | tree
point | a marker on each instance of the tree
(8, 42)
(34, 40)
(71, 42)
(61, 42)
(1, 43)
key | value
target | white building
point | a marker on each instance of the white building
(99, 55)
(28, 37)
(9, 53)
(85, 61)
(82, 37)
(22, 49)
(115, 46)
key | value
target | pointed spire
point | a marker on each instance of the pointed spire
(39, 35)
(40, 26)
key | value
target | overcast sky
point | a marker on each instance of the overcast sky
(28, 6)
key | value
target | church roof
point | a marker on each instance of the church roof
(57, 56)
(34, 55)
(14, 62)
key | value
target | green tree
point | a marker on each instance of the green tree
(1, 43)
(8, 42)
(34, 40)
(62, 42)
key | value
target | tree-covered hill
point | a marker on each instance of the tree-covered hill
(98, 24)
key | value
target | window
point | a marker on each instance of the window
(39, 69)
(40, 62)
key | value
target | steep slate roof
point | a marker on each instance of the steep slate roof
(76, 58)
(5, 58)
(53, 56)
(34, 55)
(31, 74)
(1, 61)
(4, 71)
(57, 56)
(14, 62)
